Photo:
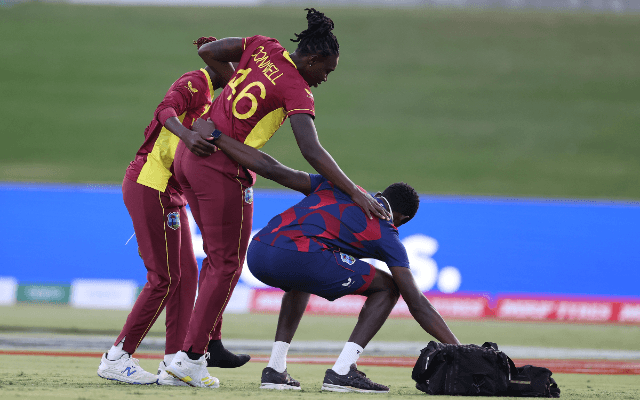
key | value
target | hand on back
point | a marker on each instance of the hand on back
(370, 206)
(197, 141)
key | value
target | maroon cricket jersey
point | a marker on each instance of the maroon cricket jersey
(188, 98)
(265, 89)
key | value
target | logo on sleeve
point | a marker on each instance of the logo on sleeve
(248, 195)
(309, 94)
(347, 259)
(191, 88)
(173, 220)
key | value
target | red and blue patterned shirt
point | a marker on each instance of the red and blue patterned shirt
(328, 219)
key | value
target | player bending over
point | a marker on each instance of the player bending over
(314, 248)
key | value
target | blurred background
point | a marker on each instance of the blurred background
(516, 120)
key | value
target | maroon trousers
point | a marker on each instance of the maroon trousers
(215, 187)
(164, 242)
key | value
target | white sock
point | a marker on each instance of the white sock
(350, 354)
(168, 358)
(278, 360)
(115, 352)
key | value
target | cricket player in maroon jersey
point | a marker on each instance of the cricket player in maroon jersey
(156, 205)
(268, 86)
(314, 247)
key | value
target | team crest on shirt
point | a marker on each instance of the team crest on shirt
(248, 195)
(173, 220)
(347, 258)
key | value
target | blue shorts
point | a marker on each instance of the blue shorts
(328, 274)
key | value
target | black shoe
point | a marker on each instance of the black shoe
(222, 358)
(353, 381)
(272, 379)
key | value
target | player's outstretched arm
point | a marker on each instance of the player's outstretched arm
(220, 54)
(420, 307)
(195, 141)
(257, 161)
(305, 132)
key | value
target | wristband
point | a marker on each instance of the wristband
(215, 135)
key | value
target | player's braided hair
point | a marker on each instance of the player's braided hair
(403, 199)
(317, 38)
(204, 40)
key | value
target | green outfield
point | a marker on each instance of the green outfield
(32, 377)
(453, 101)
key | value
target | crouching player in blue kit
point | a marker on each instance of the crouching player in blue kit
(313, 248)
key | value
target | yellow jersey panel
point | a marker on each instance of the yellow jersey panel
(265, 128)
(156, 171)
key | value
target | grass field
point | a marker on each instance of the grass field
(31, 377)
(458, 101)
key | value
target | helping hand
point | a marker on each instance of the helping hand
(370, 206)
(197, 142)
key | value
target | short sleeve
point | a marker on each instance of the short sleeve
(190, 91)
(299, 101)
(316, 180)
(391, 249)
(248, 41)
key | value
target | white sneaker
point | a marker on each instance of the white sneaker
(192, 372)
(165, 379)
(125, 369)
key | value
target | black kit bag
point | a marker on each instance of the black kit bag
(462, 370)
(530, 381)
(471, 370)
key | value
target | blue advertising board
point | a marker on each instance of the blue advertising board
(58, 233)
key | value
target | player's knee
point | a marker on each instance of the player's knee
(390, 285)
(162, 282)
(394, 291)
(383, 282)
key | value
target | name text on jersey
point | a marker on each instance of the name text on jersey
(269, 69)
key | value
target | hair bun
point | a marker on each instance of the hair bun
(317, 38)
(318, 22)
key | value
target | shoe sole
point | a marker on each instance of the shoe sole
(187, 380)
(118, 379)
(279, 386)
(171, 382)
(345, 389)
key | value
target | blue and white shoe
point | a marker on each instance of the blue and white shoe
(125, 369)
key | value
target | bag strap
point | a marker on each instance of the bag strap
(490, 345)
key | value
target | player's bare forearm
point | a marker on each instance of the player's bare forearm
(257, 161)
(193, 140)
(420, 308)
(311, 149)
(174, 126)
(219, 54)
(265, 165)
(432, 322)
(306, 136)
(220, 79)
